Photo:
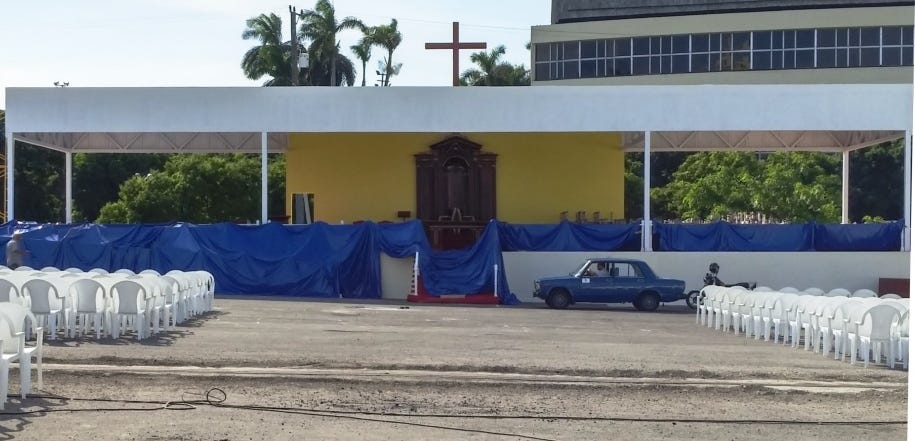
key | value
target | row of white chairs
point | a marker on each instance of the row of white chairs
(106, 303)
(879, 326)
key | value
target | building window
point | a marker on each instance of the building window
(729, 51)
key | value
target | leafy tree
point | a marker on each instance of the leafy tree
(663, 166)
(363, 52)
(876, 175)
(97, 178)
(800, 187)
(492, 71)
(320, 25)
(388, 37)
(714, 184)
(40, 184)
(198, 188)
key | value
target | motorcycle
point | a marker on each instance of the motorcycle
(711, 279)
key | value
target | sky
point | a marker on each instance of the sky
(145, 43)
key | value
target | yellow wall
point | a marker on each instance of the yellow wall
(372, 176)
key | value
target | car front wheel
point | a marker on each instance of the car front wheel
(559, 299)
(648, 301)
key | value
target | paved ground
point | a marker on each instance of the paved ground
(382, 370)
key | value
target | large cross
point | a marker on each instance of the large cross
(456, 47)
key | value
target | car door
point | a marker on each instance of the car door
(598, 289)
(627, 282)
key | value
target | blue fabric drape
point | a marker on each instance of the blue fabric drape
(322, 260)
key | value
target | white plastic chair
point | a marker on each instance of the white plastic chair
(825, 314)
(24, 268)
(763, 289)
(129, 298)
(899, 341)
(864, 293)
(98, 271)
(838, 292)
(150, 271)
(90, 300)
(785, 307)
(13, 347)
(814, 291)
(73, 270)
(10, 293)
(789, 290)
(50, 269)
(874, 329)
(47, 305)
(891, 296)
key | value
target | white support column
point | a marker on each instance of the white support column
(846, 157)
(646, 197)
(907, 194)
(263, 177)
(68, 193)
(10, 175)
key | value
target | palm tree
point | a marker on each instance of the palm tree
(493, 71)
(272, 56)
(320, 25)
(363, 52)
(387, 37)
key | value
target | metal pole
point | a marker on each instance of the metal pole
(495, 290)
(846, 160)
(10, 173)
(293, 42)
(907, 193)
(646, 197)
(263, 177)
(68, 193)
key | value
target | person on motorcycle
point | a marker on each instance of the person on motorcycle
(711, 277)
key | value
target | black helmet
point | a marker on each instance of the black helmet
(713, 268)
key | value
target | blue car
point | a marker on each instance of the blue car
(609, 280)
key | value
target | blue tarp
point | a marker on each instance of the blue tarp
(323, 260)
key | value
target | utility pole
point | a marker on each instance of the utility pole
(294, 42)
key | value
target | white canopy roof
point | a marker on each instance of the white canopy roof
(706, 117)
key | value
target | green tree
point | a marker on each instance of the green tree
(40, 184)
(801, 187)
(876, 175)
(663, 167)
(363, 52)
(714, 184)
(388, 37)
(320, 25)
(97, 178)
(492, 71)
(197, 188)
(273, 57)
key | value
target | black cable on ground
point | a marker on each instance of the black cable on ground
(216, 397)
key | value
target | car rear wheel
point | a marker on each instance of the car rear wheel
(692, 299)
(647, 301)
(559, 299)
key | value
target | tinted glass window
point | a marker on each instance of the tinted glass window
(826, 58)
(542, 52)
(622, 67)
(570, 50)
(680, 64)
(804, 59)
(892, 36)
(641, 46)
(826, 38)
(714, 42)
(907, 34)
(741, 41)
(588, 49)
(804, 39)
(700, 43)
(588, 68)
(842, 37)
(762, 40)
(870, 57)
(842, 58)
(640, 65)
(892, 56)
(699, 63)
(741, 61)
(681, 44)
(542, 71)
(870, 36)
(570, 70)
(762, 60)
(622, 47)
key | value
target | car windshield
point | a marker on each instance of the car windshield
(581, 268)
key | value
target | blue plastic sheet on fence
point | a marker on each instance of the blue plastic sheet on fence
(567, 236)
(861, 237)
(722, 236)
(323, 260)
